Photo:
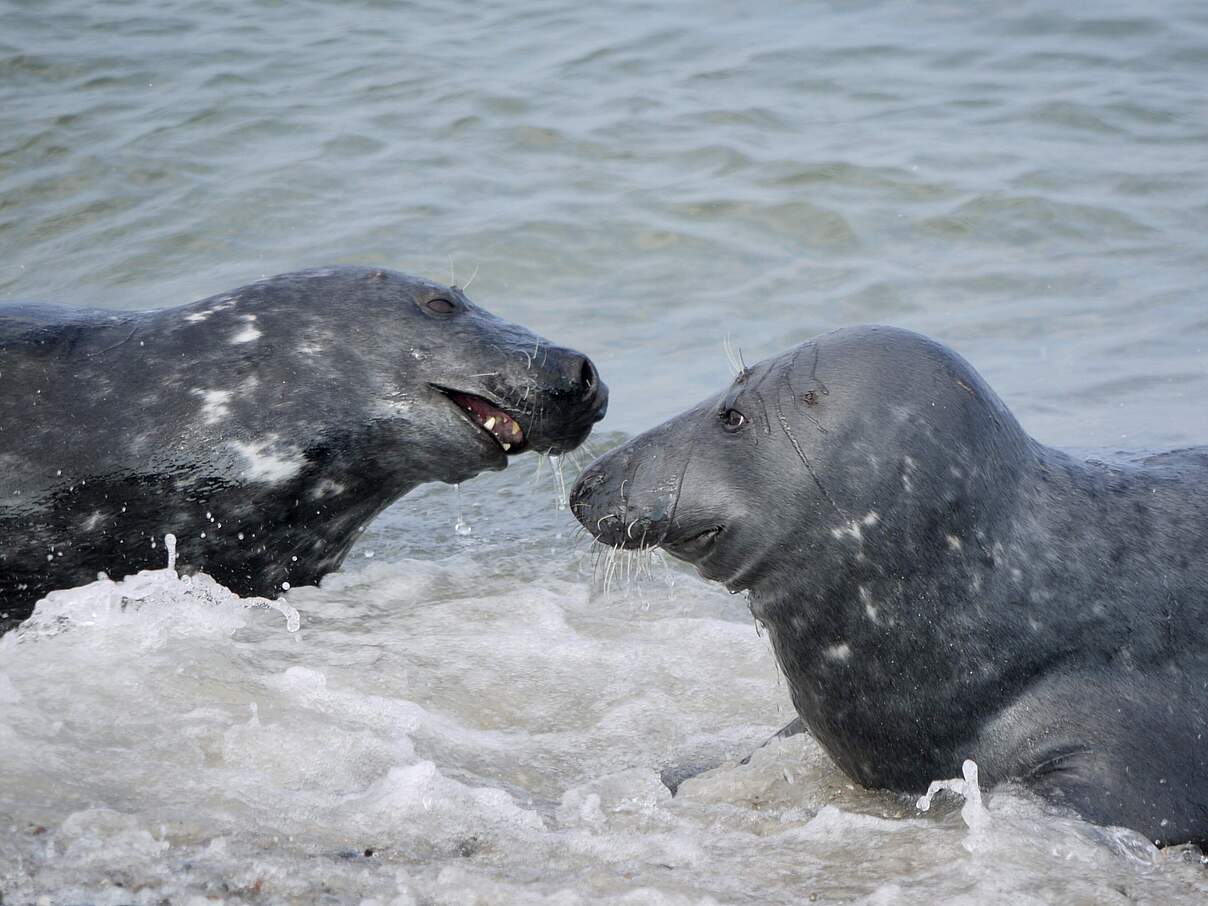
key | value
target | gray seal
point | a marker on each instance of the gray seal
(264, 427)
(936, 584)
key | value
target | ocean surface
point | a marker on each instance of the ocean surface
(482, 717)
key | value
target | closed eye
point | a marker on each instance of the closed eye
(440, 306)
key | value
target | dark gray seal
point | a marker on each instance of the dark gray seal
(264, 427)
(936, 584)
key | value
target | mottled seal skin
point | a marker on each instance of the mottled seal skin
(264, 426)
(936, 584)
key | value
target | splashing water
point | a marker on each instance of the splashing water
(106, 603)
(560, 477)
(973, 813)
(461, 527)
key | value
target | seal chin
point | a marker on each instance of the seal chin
(489, 418)
(694, 547)
(712, 551)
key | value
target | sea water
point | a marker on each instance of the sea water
(483, 716)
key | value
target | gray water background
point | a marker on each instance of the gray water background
(1027, 182)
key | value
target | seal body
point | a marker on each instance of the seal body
(264, 427)
(936, 584)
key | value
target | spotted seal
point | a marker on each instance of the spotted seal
(936, 584)
(264, 426)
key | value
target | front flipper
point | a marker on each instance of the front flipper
(673, 775)
(1114, 788)
(1125, 749)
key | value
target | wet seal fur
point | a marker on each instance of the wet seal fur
(264, 427)
(936, 584)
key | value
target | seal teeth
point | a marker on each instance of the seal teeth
(501, 426)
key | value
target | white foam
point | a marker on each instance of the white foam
(484, 726)
(158, 597)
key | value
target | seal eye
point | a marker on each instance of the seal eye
(440, 306)
(732, 420)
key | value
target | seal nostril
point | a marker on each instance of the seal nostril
(587, 376)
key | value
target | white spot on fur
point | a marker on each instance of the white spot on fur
(223, 304)
(326, 488)
(214, 404)
(855, 528)
(267, 460)
(250, 331)
(851, 530)
(954, 542)
(92, 521)
(870, 609)
(309, 348)
(840, 652)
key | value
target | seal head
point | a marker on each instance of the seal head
(793, 456)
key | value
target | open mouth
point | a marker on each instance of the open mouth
(490, 418)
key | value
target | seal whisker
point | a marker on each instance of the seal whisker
(731, 359)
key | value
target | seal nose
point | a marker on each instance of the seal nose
(577, 375)
(581, 382)
(593, 502)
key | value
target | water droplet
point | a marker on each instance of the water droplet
(560, 478)
(461, 527)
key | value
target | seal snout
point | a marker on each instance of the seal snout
(562, 395)
(609, 502)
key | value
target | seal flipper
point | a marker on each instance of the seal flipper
(673, 775)
(792, 728)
